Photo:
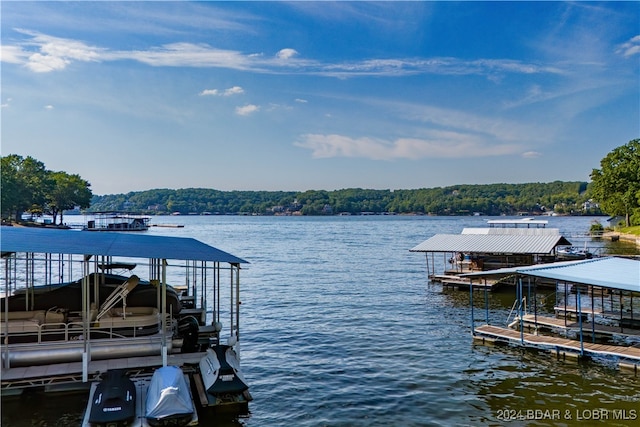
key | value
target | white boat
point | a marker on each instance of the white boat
(117, 221)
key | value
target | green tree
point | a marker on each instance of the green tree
(616, 185)
(25, 185)
(68, 192)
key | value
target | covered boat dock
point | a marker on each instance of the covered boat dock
(505, 243)
(37, 260)
(596, 313)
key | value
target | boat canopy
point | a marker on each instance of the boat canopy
(607, 272)
(45, 240)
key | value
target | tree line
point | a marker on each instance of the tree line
(492, 199)
(27, 186)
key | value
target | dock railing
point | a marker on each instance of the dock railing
(515, 308)
(72, 331)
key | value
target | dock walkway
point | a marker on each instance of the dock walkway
(530, 321)
(628, 356)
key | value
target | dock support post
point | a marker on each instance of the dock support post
(473, 332)
(519, 295)
(579, 299)
(85, 367)
(163, 312)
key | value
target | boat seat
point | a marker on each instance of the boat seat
(54, 319)
(24, 315)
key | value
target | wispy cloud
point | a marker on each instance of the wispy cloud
(630, 48)
(442, 145)
(235, 90)
(247, 110)
(53, 53)
(531, 154)
(45, 53)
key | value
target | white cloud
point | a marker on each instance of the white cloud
(247, 110)
(531, 154)
(45, 63)
(441, 145)
(236, 90)
(44, 53)
(630, 48)
(209, 92)
(48, 107)
(53, 53)
(286, 53)
(12, 54)
(301, 101)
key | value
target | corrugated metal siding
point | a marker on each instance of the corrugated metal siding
(134, 245)
(492, 243)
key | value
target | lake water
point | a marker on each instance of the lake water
(340, 327)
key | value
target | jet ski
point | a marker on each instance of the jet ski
(114, 400)
(220, 370)
(168, 398)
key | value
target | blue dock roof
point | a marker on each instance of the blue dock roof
(133, 245)
(607, 272)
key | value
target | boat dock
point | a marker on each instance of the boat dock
(63, 336)
(582, 326)
(504, 243)
(628, 357)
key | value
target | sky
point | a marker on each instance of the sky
(304, 95)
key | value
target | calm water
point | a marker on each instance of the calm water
(340, 327)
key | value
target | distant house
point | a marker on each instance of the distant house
(617, 221)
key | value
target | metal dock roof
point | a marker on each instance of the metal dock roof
(492, 243)
(607, 272)
(133, 245)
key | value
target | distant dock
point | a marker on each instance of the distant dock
(168, 225)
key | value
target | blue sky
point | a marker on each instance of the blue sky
(318, 95)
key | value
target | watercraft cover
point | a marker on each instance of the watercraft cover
(168, 395)
(114, 399)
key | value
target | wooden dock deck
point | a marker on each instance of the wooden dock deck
(628, 357)
(461, 284)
